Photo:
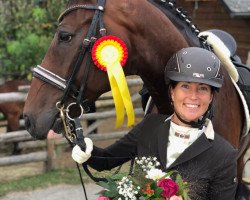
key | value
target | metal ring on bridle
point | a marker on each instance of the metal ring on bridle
(68, 110)
(59, 105)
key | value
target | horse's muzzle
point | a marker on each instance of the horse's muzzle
(29, 125)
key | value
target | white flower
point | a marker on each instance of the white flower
(155, 174)
(127, 189)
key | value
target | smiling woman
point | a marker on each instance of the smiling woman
(190, 100)
(153, 31)
(185, 141)
(193, 80)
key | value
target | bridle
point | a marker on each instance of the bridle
(75, 135)
(68, 86)
(72, 126)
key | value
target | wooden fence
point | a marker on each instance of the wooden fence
(25, 141)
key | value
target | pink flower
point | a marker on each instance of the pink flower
(103, 198)
(176, 198)
(170, 188)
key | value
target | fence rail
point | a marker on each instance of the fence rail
(21, 96)
(44, 155)
(25, 141)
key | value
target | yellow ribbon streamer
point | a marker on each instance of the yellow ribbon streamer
(110, 56)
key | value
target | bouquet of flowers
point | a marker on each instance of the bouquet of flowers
(146, 182)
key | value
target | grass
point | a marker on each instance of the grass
(55, 177)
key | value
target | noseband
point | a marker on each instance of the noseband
(68, 86)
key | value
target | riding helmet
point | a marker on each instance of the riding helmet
(194, 64)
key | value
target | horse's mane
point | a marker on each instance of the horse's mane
(178, 17)
(182, 21)
(193, 35)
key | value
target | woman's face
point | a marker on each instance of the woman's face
(190, 100)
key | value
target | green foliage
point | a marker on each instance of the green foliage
(146, 182)
(111, 185)
(26, 29)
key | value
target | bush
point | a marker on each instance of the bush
(26, 29)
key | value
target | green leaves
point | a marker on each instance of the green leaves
(26, 29)
(111, 188)
(146, 182)
(182, 187)
(157, 191)
(39, 15)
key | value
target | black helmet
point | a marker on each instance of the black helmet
(194, 64)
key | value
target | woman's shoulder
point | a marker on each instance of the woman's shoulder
(155, 116)
(151, 122)
(223, 143)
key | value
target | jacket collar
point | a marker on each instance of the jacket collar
(163, 134)
(209, 132)
(200, 145)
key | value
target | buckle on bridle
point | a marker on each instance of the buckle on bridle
(69, 134)
(86, 42)
(74, 110)
(72, 124)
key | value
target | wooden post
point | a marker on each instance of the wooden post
(50, 155)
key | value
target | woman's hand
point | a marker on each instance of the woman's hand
(80, 156)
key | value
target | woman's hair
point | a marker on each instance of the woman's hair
(172, 85)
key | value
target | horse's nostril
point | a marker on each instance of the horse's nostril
(26, 122)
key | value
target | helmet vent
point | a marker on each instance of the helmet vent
(188, 66)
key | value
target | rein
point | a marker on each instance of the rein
(72, 126)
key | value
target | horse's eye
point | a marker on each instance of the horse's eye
(64, 37)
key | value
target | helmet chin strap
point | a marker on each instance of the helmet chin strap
(200, 123)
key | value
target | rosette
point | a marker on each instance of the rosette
(109, 53)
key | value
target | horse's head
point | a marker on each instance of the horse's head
(69, 51)
(150, 38)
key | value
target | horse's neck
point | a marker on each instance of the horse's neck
(156, 85)
(155, 41)
(153, 50)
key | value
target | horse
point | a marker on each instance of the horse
(152, 30)
(12, 111)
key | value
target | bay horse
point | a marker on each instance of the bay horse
(152, 30)
(12, 111)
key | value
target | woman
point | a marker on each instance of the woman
(185, 141)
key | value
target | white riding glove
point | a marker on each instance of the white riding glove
(80, 156)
